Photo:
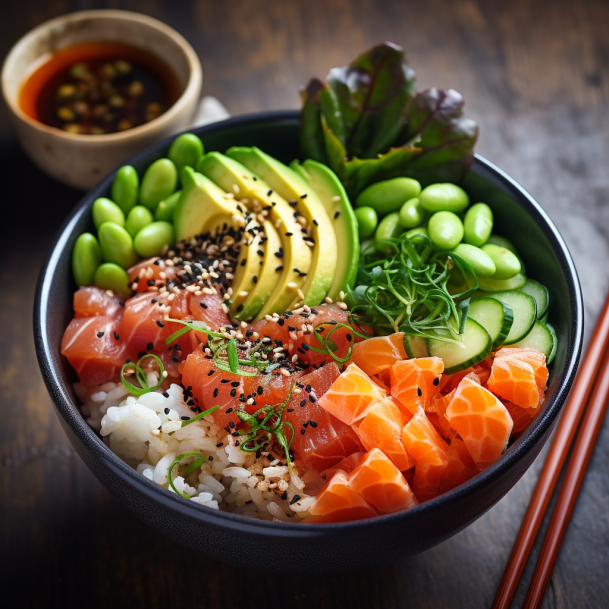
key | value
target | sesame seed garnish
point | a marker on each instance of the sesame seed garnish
(100, 334)
(335, 198)
(342, 305)
(336, 215)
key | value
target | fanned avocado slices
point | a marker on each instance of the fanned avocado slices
(295, 255)
(303, 199)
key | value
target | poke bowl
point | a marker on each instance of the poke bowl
(321, 547)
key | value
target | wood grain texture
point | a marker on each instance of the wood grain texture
(534, 74)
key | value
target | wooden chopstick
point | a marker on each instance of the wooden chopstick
(596, 354)
(582, 452)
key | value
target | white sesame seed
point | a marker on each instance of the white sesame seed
(236, 189)
(226, 296)
(328, 300)
(293, 335)
(229, 276)
(335, 198)
(292, 285)
(300, 294)
(284, 372)
(208, 291)
(243, 294)
(307, 308)
(342, 305)
(342, 295)
(171, 296)
(294, 358)
(268, 318)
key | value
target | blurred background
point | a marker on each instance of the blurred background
(534, 76)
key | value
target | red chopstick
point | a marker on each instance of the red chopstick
(592, 363)
(584, 446)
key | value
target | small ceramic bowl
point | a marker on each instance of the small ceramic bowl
(82, 160)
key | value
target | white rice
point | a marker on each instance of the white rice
(138, 430)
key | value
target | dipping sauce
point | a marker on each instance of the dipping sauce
(99, 87)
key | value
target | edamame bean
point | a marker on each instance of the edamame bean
(480, 262)
(151, 240)
(117, 245)
(138, 217)
(367, 221)
(164, 210)
(185, 150)
(419, 230)
(412, 214)
(506, 262)
(110, 276)
(86, 257)
(388, 196)
(478, 224)
(389, 227)
(445, 229)
(444, 197)
(159, 181)
(503, 242)
(125, 188)
(104, 210)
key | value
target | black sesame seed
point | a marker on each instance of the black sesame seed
(166, 410)
(231, 425)
(436, 382)
(336, 215)
(303, 403)
(174, 359)
(289, 234)
(255, 279)
(150, 282)
(294, 499)
(100, 334)
(260, 390)
(285, 495)
(210, 372)
(281, 321)
(116, 336)
(219, 444)
(216, 392)
(312, 398)
(210, 458)
(229, 411)
(203, 305)
(279, 268)
(160, 324)
(308, 388)
(312, 423)
(234, 384)
(302, 432)
(243, 262)
(260, 253)
(303, 196)
(269, 193)
(185, 418)
(165, 394)
(305, 346)
(149, 346)
(419, 392)
(233, 393)
(240, 308)
(348, 337)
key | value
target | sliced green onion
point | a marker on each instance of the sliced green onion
(141, 376)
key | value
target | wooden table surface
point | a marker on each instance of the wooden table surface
(534, 75)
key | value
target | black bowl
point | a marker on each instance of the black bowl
(316, 548)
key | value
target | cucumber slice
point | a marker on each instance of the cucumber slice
(554, 346)
(540, 338)
(415, 346)
(475, 347)
(524, 309)
(488, 284)
(494, 316)
(539, 293)
(545, 318)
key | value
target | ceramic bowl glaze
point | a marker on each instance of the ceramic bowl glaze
(317, 548)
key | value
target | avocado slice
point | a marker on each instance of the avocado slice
(333, 196)
(302, 198)
(269, 272)
(259, 197)
(247, 267)
(202, 206)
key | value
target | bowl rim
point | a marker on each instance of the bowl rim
(64, 405)
(192, 86)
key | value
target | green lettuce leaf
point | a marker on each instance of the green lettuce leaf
(368, 124)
